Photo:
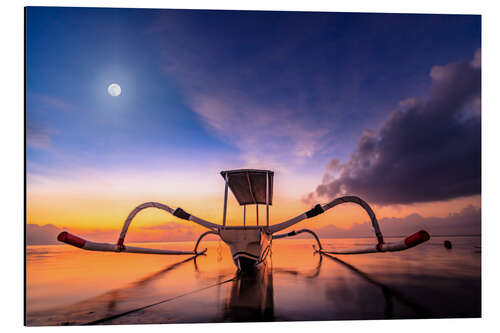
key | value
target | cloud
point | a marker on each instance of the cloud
(39, 106)
(465, 222)
(429, 150)
(272, 106)
(476, 62)
(52, 101)
(41, 235)
(38, 136)
(263, 133)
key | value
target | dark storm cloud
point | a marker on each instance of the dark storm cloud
(425, 151)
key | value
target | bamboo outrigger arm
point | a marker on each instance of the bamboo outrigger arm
(294, 233)
(319, 209)
(70, 239)
(202, 236)
(179, 212)
(84, 244)
(410, 241)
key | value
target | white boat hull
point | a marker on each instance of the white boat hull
(249, 246)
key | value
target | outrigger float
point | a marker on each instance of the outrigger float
(250, 245)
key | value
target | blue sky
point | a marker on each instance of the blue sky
(213, 90)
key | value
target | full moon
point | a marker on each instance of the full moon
(114, 89)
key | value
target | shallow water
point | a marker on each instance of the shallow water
(70, 286)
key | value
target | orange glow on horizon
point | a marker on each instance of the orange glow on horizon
(97, 203)
(104, 214)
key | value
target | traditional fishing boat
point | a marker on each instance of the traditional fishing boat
(249, 244)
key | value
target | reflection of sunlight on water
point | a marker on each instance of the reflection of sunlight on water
(64, 275)
(69, 284)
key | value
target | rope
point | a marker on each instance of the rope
(99, 321)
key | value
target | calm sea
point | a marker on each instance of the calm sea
(70, 286)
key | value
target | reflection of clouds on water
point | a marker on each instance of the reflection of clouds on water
(251, 297)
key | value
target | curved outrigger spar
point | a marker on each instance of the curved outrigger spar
(249, 245)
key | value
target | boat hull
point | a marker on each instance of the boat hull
(249, 246)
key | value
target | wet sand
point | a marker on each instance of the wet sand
(69, 286)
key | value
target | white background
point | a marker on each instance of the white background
(12, 163)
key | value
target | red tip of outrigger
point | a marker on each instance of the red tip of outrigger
(70, 239)
(417, 238)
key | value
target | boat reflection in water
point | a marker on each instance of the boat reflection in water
(251, 297)
(252, 293)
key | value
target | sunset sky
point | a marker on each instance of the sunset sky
(386, 107)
